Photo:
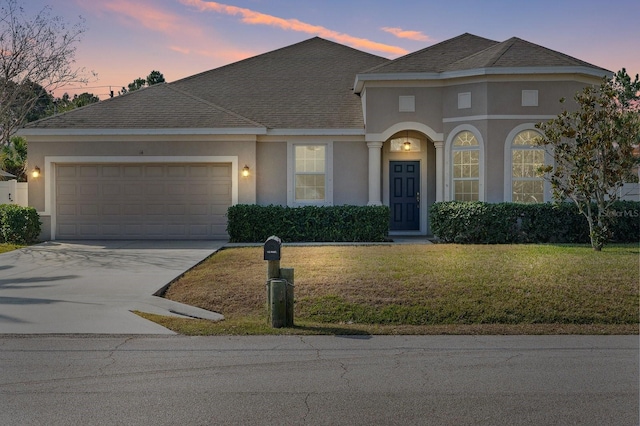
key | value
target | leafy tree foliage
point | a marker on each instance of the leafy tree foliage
(154, 77)
(67, 103)
(13, 158)
(593, 149)
(36, 57)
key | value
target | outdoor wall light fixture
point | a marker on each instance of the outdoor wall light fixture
(245, 171)
(407, 143)
(36, 172)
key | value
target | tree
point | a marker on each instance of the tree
(33, 50)
(593, 149)
(154, 77)
(66, 103)
(13, 158)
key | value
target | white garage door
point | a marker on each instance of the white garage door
(142, 201)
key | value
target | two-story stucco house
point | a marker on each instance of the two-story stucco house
(312, 123)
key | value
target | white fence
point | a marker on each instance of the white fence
(14, 192)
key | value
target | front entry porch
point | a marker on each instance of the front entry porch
(407, 177)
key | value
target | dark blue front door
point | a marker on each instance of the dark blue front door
(404, 195)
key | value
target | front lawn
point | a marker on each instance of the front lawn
(421, 289)
(5, 247)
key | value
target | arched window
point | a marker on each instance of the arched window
(465, 154)
(527, 184)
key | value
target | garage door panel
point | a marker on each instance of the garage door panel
(110, 189)
(155, 209)
(176, 189)
(154, 189)
(198, 171)
(154, 171)
(155, 201)
(198, 189)
(89, 171)
(176, 209)
(66, 189)
(132, 171)
(132, 210)
(133, 189)
(67, 209)
(66, 171)
(89, 190)
(111, 230)
(89, 210)
(198, 209)
(111, 171)
(87, 230)
(176, 171)
(111, 209)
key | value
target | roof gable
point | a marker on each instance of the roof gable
(516, 52)
(435, 58)
(306, 85)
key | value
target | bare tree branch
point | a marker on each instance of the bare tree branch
(39, 49)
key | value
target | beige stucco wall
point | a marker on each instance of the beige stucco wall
(382, 107)
(496, 110)
(350, 173)
(271, 173)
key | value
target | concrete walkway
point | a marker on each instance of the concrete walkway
(92, 287)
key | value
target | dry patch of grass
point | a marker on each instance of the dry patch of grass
(423, 289)
(5, 247)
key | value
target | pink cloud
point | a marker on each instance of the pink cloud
(410, 35)
(256, 18)
(147, 15)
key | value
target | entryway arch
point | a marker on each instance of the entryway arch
(405, 179)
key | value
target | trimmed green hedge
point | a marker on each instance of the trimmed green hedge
(253, 223)
(504, 223)
(19, 225)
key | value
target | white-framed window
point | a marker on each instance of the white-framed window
(526, 157)
(465, 156)
(310, 181)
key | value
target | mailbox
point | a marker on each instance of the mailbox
(272, 248)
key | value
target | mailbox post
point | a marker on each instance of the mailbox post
(272, 249)
(279, 286)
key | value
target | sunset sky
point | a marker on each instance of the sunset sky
(126, 39)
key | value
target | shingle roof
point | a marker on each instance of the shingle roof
(160, 106)
(307, 85)
(516, 52)
(467, 52)
(437, 57)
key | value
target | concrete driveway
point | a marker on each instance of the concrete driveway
(92, 286)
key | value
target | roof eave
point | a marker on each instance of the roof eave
(141, 132)
(361, 79)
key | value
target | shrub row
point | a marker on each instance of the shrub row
(18, 225)
(253, 223)
(503, 223)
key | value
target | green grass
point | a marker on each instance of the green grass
(420, 289)
(5, 247)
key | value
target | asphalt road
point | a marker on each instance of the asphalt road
(303, 380)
